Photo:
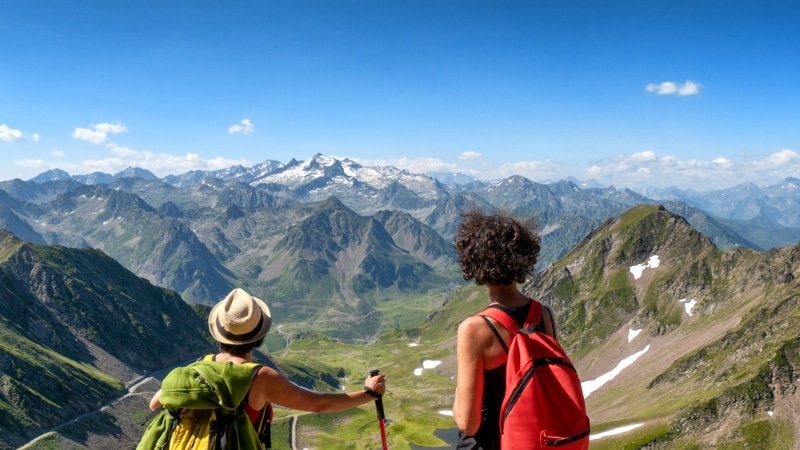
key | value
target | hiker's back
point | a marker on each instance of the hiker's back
(543, 405)
(203, 409)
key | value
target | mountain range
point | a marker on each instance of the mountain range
(329, 237)
(684, 343)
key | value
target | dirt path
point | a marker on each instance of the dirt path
(76, 419)
(293, 431)
(130, 389)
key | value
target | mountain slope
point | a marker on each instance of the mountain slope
(161, 249)
(713, 334)
(336, 262)
(29, 191)
(721, 233)
(11, 219)
(419, 240)
(75, 327)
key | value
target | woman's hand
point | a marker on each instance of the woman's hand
(376, 383)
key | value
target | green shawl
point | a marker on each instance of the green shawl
(204, 385)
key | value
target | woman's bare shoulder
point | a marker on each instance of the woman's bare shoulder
(475, 330)
(268, 372)
(471, 323)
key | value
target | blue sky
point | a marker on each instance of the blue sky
(631, 93)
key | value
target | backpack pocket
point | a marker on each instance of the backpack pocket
(192, 430)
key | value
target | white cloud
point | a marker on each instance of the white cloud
(35, 137)
(647, 155)
(9, 134)
(245, 127)
(722, 161)
(535, 170)
(111, 128)
(470, 156)
(529, 169)
(85, 134)
(160, 163)
(672, 88)
(646, 169)
(415, 165)
(783, 157)
(223, 163)
(122, 157)
(98, 133)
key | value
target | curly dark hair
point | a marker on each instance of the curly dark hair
(496, 249)
(240, 350)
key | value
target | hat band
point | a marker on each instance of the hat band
(240, 337)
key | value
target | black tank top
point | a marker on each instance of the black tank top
(494, 386)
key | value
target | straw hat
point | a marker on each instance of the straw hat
(239, 319)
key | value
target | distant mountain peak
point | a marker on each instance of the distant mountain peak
(333, 203)
(51, 175)
(137, 172)
(790, 184)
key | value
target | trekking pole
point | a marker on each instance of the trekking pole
(381, 416)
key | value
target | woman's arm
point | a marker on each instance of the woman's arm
(469, 376)
(271, 386)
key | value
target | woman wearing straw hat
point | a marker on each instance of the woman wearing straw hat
(239, 323)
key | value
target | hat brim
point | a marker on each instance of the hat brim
(219, 334)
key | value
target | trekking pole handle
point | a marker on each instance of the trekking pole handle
(378, 401)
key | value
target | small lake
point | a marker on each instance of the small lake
(449, 435)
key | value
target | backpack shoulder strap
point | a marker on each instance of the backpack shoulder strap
(548, 323)
(502, 318)
(263, 425)
(264, 422)
(494, 330)
(534, 317)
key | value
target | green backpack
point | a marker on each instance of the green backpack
(202, 408)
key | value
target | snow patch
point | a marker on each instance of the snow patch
(651, 263)
(412, 344)
(427, 364)
(688, 305)
(592, 385)
(430, 364)
(615, 431)
(549, 229)
(632, 334)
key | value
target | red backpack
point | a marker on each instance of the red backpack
(543, 405)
